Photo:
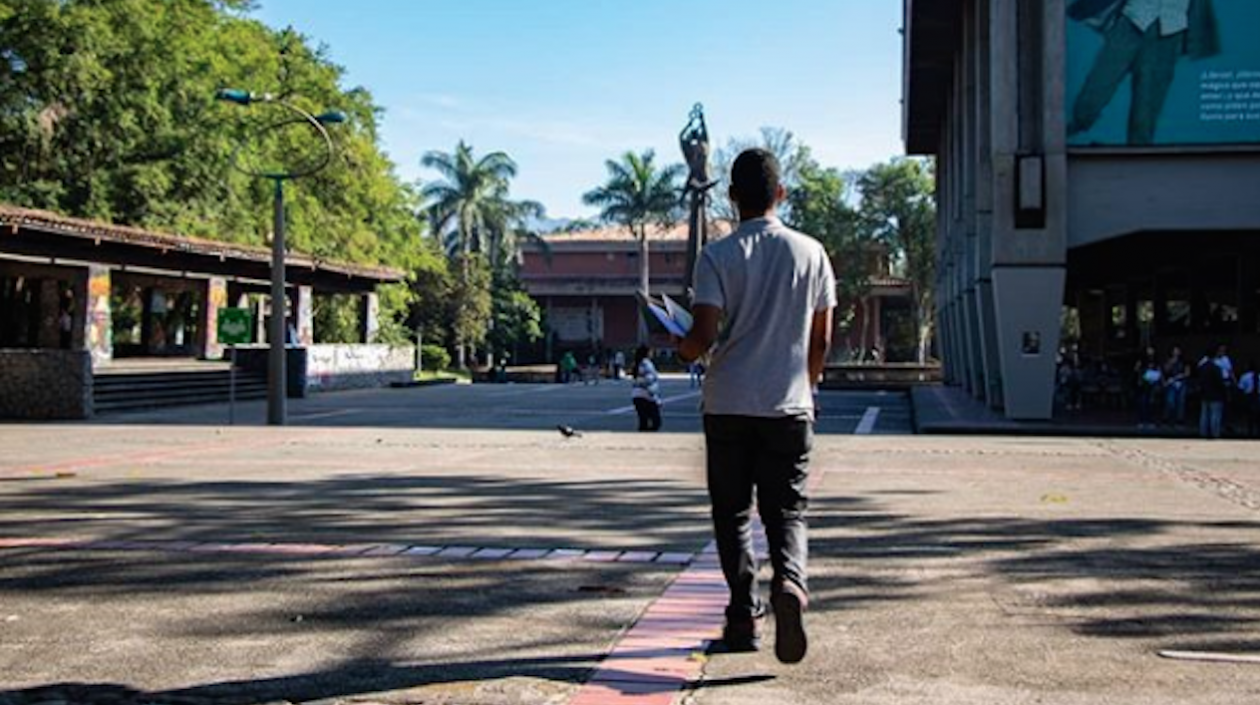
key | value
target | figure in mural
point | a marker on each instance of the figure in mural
(1142, 40)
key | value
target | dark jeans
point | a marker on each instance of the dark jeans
(1149, 59)
(768, 457)
(1211, 419)
(1148, 401)
(649, 414)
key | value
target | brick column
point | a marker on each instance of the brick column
(305, 314)
(214, 295)
(94, 311)
(369, 318)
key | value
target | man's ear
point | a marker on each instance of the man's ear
(780, 194)
(730, 193)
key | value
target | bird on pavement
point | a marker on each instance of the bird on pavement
(568, 431)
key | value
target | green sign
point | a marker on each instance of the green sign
(1152, 73)
(236, 326)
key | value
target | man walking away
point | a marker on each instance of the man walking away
(764, 295)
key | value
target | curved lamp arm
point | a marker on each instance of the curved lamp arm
(299, 116)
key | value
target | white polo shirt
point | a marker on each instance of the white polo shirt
(769, 281)
(1173, 15)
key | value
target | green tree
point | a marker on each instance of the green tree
(899, 209)
(107, 111)
(818, 206)
(638, 195)
(517, 318)
(469, 304)
(793, 156)
(472, 210)
(431, 288)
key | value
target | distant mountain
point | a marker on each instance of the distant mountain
(548, 225)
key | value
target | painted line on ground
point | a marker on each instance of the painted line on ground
(621, 410)
(663, 652)
(867, 424)
(146, 456)
(359, 549)
(518, 390)
(325, 414)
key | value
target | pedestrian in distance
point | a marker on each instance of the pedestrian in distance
(695, 372)
(763, 315)
(1147, 383)
(1212, 396)
(646, 392)
(568, 365)
(1150, 384)
(619, 365)
(1176, 379)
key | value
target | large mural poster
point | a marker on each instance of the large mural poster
(1144, 73)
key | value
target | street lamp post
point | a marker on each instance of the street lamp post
(276, 376)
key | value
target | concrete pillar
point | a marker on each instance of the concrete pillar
(369, 318)
(261, 305)
(304, 313)
(1027, 304)
(98, 322)
(1026, 114)
(989, 341)
(214, 295)
(942, 335)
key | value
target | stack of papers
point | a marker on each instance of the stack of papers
(676, 319)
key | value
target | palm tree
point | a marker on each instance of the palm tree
(470, 209)
(465, 207)
(636, 196)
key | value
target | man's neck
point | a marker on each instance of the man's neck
(745, 217)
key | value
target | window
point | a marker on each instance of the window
(1177, 312)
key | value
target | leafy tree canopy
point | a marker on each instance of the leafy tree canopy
(107, 111)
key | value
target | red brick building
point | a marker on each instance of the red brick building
(586, 282)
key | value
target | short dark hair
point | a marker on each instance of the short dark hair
(755, 180)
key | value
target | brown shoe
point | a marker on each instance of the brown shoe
(790, 642)
(740, 636)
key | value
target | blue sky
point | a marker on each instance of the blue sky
(563, 85)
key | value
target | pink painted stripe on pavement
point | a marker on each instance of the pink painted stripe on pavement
(659, 657)
(663, 652)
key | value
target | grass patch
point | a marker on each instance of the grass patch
(442, 375)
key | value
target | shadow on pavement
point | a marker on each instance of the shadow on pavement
(351, 679)
(1112, 578)
(463, 510)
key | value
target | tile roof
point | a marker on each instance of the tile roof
(618, 233)
(15, 216)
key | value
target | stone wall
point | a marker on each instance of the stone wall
(332, 367)
(45, 384)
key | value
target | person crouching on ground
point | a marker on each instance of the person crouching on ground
(647, 391)
(764, 295)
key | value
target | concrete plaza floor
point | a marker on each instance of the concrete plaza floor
(400, 546)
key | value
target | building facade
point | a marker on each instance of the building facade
(1097, 166)
(587, 284)
(77, 296)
